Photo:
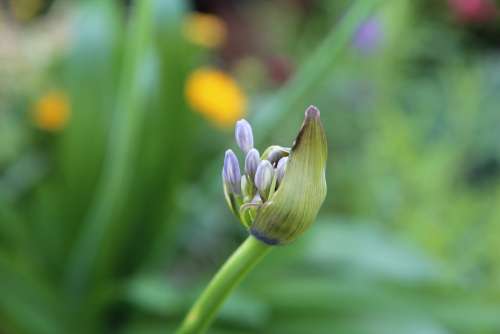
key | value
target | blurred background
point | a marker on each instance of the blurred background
(114, 118)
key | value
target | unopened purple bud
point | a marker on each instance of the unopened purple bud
(264, 177)
(277, 154)
(231, 172)
(252, 161)
(244, 135)
(280, 169)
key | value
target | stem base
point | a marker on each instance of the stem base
(227, 278)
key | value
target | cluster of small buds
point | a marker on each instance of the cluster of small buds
(261, 175)
(280, 191)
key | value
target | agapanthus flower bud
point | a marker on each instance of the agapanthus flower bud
(264, 178)
(244, 135)
(284, 188)
(274, 153)
(231, 172)
(252, 161)
(280, 169)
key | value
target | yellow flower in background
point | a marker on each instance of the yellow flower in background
(205, 29)
(51, 111)
(216, 95)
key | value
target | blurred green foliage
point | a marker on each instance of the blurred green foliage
(115, 224)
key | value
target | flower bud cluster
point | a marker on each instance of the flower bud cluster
(260, 178)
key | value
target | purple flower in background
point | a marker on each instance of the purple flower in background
(474, 11)
(369, 35)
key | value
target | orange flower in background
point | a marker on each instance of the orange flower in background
(205, 29)
(51, 111)
(216, 95)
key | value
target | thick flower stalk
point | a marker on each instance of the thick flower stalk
(276, 196)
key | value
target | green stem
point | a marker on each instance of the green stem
(117, 169)
(227, 278)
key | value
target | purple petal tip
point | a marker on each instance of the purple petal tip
(228, 153)
(312, 112)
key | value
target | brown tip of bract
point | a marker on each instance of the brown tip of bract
(312, 112)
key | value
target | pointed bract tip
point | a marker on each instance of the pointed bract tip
(312, 112)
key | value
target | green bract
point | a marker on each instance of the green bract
(294, 206)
